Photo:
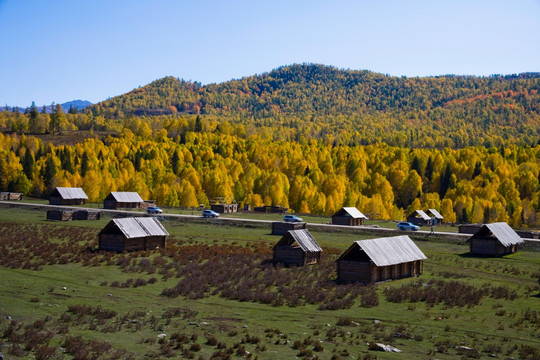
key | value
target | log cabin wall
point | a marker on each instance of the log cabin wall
(288, 255)
(352, 271)
(111, 242)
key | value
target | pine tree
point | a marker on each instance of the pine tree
(48, 174)
(198, 124)
(445, 181)
(28, 164)
(33, 118)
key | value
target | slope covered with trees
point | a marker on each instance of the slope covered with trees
(355, 107)
(185, 161)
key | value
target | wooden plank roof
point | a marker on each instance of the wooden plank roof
(421, 214)
(125, 196)
(435, 213)
(501, 231)
(70, 193)
(302, 237)
(350, 211)
(389, 251)
(137, 227)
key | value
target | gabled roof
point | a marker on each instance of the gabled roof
(125, 196)
(435, 213)
(350, 211)
(304, 239)
(420, 213)
(70, 193)
(389, 251)
(137, 227)
(501, 231)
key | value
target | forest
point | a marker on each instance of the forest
(187, 161)
(308, 137)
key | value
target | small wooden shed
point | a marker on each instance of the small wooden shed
(297, 247)
(434, 214)
(68, 196)
(10, 196)
(348, 216)
(86, 215)
(131, 234)
(123, 199)
(224, 208)
(60, 215)
(419, 217)
(494, 240)
(381, 259)
(281, 227)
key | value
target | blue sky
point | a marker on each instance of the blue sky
(60, 50)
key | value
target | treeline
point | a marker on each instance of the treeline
(35, 122)
(354, 107)
(186, 161)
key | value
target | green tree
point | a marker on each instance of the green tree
(33, 118)
(48, 174)
(57, 118)
(28, 164)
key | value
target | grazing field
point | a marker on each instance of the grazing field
(212, 293)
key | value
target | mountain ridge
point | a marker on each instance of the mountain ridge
(353, 106)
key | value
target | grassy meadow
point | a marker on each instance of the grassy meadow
(211, 294)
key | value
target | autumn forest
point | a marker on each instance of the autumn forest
(308, 137)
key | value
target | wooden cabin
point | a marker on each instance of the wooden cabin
(123, 199)
(436, 217)
(131, 234)
(224, 208)
(420, 218)
(381, 259)
(495, 239)
(10, 196)
(68, 196)
(281, 227)
(86, 215)
(59, 215)
(469, 228)
(297, 247)
(348, 216)
(271, 209)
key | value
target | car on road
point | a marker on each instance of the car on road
(292, 218)
(153, 210)
(210, 213)
(404, 225)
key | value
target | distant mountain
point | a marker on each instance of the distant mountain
(311, 89)
(75, 104)
(78, 104)
(355, 106)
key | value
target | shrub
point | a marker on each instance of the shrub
(212, 341)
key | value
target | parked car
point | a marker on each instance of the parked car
(210, 213)
(153, 210)
(292, 218)
(404, 225)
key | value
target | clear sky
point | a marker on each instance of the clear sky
(62, 50)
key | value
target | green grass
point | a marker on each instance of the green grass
(495, 326)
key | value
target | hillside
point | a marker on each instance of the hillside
(355, 107)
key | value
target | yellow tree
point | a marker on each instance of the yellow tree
(447, 211)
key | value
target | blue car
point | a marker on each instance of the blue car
(292, 218)
(407, 226)
(153, 210)
(210, 213)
